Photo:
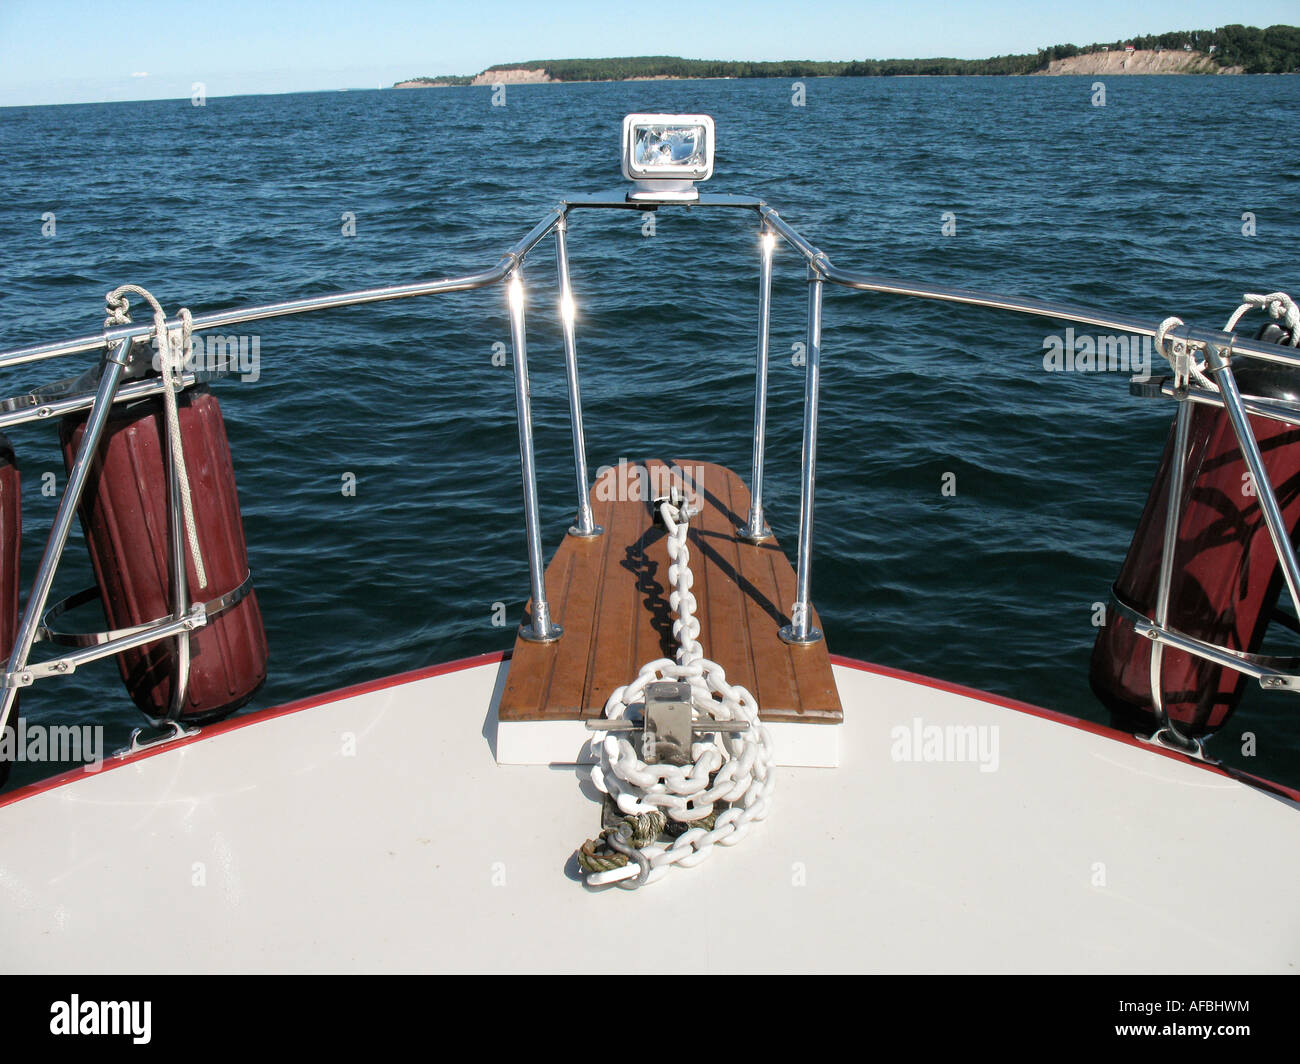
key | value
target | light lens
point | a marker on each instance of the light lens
(660, 148)
(676, 146)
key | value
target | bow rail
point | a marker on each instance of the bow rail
(124, 378)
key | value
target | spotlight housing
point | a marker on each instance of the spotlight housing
(666, 154)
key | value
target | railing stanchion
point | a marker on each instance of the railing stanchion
(1173, 515)
(110, 378)
(755, 529)
(541, 629)
(800, 628)
(585, 525)
(179, 572)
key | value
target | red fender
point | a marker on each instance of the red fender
(1227, 578)
(124, 513)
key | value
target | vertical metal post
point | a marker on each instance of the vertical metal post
(109, 380)
(542, 629)
(1277, 530)
(800, 630)
(1173, 514)
(586, 525)
(755, 529)
(179, 573)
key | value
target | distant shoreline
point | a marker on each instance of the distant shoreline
(1227, 50)
(1128, 62)
(420, 83)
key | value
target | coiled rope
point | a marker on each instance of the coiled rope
(173, 346)
(710, 802)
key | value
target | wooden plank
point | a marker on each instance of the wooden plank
(610, 594)
(633, 623)
(715, 562)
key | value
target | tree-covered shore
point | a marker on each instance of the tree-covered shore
(1275, 50)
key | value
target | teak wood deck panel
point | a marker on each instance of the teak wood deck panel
(610, 593)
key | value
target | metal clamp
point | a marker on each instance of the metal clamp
(1273, 673)
(30, 672)
(50, 634)
(668, 724)
(91, 646)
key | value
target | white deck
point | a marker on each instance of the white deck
(419, 853)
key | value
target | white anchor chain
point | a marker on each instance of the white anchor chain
(729, 767)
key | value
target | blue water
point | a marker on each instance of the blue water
(1136, 206)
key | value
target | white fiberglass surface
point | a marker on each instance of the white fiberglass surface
(377, 833)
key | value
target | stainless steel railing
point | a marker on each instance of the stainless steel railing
(117, 343)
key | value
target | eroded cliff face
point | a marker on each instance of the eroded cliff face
(504, 76)
(512, 76)
(1169, 61)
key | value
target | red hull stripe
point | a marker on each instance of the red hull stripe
(1064, 718)
(383, 683)
(209, 731)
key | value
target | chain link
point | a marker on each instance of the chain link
(728, 785)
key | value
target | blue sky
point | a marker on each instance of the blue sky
(64, 51)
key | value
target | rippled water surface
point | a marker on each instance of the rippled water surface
(1136, 206)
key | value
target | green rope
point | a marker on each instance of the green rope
(591, 861)
(646, 827)
(677, 828)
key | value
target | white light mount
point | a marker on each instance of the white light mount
(666, 154)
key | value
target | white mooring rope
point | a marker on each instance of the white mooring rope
(173, 346)
(733, 768)
(1279, 305)
(1185, 367)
